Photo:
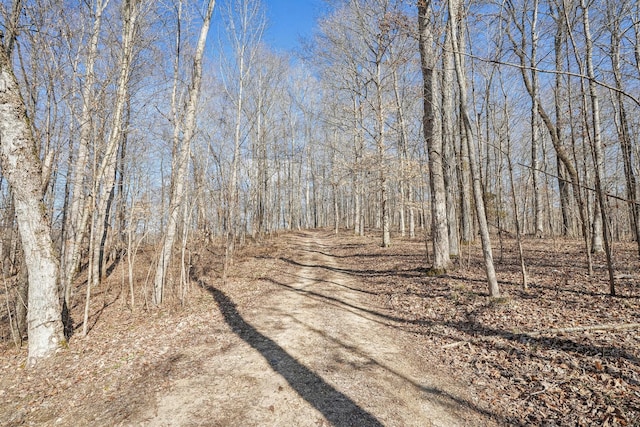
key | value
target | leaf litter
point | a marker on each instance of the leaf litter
(500, 349)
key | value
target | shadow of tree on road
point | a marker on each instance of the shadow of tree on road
(335, 406)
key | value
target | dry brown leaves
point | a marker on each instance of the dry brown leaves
(578, 378)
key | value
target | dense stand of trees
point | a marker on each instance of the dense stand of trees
(123, 126)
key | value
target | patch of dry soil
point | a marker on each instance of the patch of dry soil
(314, 350)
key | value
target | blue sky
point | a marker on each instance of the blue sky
(287, 20)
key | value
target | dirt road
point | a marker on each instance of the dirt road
(313, 350)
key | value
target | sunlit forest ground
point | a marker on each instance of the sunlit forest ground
(514, 355)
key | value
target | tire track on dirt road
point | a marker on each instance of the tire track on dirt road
(314, 351)
(357, 348)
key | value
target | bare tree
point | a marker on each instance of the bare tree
(181, 161)
(449, 144)
(615, 14)
(597, 140)
(105, 178)
(433, 140)
(22, 169)
(555, 132)
(79, 206)
(494, 290)
(535, 124)
(245, 25)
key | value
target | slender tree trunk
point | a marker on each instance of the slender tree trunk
(563, 176)
(494, 290)
(624, 133)
(232, 217)
(514, 201)
(308, 200)
(581, 198)
(181, 163)
(79, 211)
(412, 219)
(358, 149)
(464, 177)
(121, 216)
(597, 140)
(105, 179)
(382, 174)
(565, 198)
(535, 128)
(402, 152)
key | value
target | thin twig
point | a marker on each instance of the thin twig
(580, 185)
(585, 328)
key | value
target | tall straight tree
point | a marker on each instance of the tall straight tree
(554, 129)
(615, 14)
(535, 124)
(492, 282)
(449, 144)
(559, 93)
(433, 140)
(597, 140)
(372, 20)
(105, 178)
(22, 170)
(180, 164)
(245, 25)
(79, 210)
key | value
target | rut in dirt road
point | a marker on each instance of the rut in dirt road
(315, 350)
(333, 404)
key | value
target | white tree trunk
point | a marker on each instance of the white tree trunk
(21, 167)
(105, 178)
(79, 212)
(181, 164)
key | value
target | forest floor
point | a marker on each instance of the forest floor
(315, 329)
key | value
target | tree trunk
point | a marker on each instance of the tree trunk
(380, 142)
(564, 187)
(535, 127)
(448, 142)
(105, 179)
(464, 178)
(79, 212)
(492, 281)
(402, 152)
(181, 163)
(514, 200)
(597, 244)
(597, 141)
(565, 199)
(433, 140)
(21, 168)
(624, 132)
